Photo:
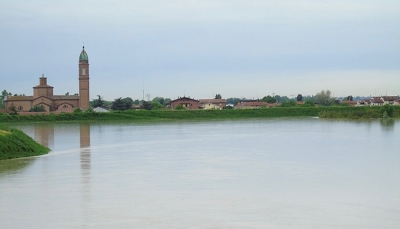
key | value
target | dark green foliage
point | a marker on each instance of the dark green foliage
(37, 109)
(348, 98)
(218, 96)
(77, 110)
(122, 104)
(281, 99)
(13, 109)
(161, 100)
(156, 106)
(14, 144)
(268, 99)
(227, 108)
(3, 95)
(290, 103)
(147, 105)
(299, 98)
(99, 102)
(232, 101)
(179, 107)
(308, 103)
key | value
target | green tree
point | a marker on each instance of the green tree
(348, 98)
(299, 98)
(161, 100)
(268, 99)
(290, 103)
(13, 109)
(232, 101)
(99, 102)
(281, 99)
(3, 96)
(179, 107)
(128, 101)
(156, 106)
(324, 98)
(218, 96)
(77, 110)
(147, 105)
(136, 102)
(122, 104)
(308, 103)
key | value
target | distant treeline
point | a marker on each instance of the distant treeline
(148, 115)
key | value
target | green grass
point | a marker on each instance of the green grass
(14, 144)
(160, 115)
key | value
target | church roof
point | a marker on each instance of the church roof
(83, 55)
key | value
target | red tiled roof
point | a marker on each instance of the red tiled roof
(390, 98)
(377, 100)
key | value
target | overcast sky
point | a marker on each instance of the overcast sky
(171, 48)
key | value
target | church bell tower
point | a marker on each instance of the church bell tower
(83, 80)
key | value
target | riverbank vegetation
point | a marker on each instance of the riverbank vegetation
(148, 115)
(14, 144)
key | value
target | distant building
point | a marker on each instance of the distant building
(390, 99)
(377, 101)
(100, 110)
(212, 103)
(186, 102)
(43, 93)
(252, 104)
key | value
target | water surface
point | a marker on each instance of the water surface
(269, 173)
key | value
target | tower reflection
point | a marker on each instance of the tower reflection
(85, 151)
(84, 130)
(44, 134)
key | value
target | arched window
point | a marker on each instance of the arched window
(83, 71)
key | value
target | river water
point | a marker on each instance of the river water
(266, 173)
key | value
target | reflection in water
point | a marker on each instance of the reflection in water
(85, 166)
(9, 166)
(44, 134)
(387, 124)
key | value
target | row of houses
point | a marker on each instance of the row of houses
(379, 101)
(193, 104)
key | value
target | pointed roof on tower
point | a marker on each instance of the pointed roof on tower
(83, 55)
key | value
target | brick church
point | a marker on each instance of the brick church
(43, 93)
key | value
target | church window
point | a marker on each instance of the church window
(83, 71)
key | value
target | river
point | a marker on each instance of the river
(261, 173)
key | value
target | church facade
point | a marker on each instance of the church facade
(43, 94)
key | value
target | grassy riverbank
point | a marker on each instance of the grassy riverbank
(155, 115)
(14, 144)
